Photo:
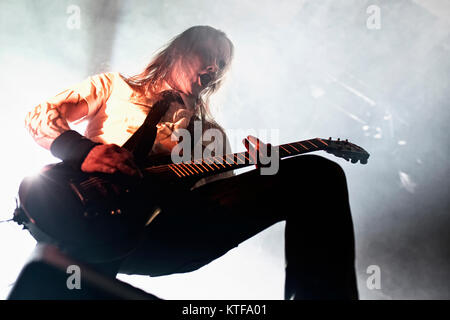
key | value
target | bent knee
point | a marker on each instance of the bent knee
(310, 164)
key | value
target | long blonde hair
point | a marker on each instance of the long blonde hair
(151, 80)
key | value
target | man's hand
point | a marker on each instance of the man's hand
(178, 120)
(256, 151)
(110, 158)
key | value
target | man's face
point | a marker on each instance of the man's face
(203, 66)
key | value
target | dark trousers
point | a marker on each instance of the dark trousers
(309, 192)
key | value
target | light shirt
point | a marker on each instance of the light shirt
(116, 111)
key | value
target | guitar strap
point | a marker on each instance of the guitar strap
(141, 142)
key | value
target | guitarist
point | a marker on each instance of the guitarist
(308, 192)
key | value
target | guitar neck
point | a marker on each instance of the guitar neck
(213, 165)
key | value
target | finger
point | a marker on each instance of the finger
(182, 113)
(251, 150)
(248, 146)
(182, 123)
(125, 153)
(118, 154)
(119, 164)
(106, 169)
(112, 148)
(258, 144)
(255, 141)
(112, 156)
(164, 130)
(133, 165)
(128, 158)
(97, 167)
(99, 160)
(126, 169)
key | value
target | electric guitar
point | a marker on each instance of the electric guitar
(100, 217)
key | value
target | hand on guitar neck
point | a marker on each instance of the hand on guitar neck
(258, 150)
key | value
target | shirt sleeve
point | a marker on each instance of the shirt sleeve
(95, 90)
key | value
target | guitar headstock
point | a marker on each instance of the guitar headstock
(346, 150)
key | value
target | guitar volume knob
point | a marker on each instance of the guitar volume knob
(116, 211)
(90, 214)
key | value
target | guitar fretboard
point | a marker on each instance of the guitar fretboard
(217, 164)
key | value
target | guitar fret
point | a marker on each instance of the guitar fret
(220, 162)
(197, 166)
(322, 141)
(224, 159)
(174, 171)
(190, 165)
(285, 149)
(201, 164)
(232, 159)
(183, 173)
(187, 168)
(179, 167)
(176, 167)
(208, 165)
(211, 164)
(173, 167)
(293, 147)
(239, 159)
(312, 143)
(302, 145)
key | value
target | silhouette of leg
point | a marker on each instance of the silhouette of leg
(309, 192)
(319, 239)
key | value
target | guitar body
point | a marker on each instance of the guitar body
(97, 217)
